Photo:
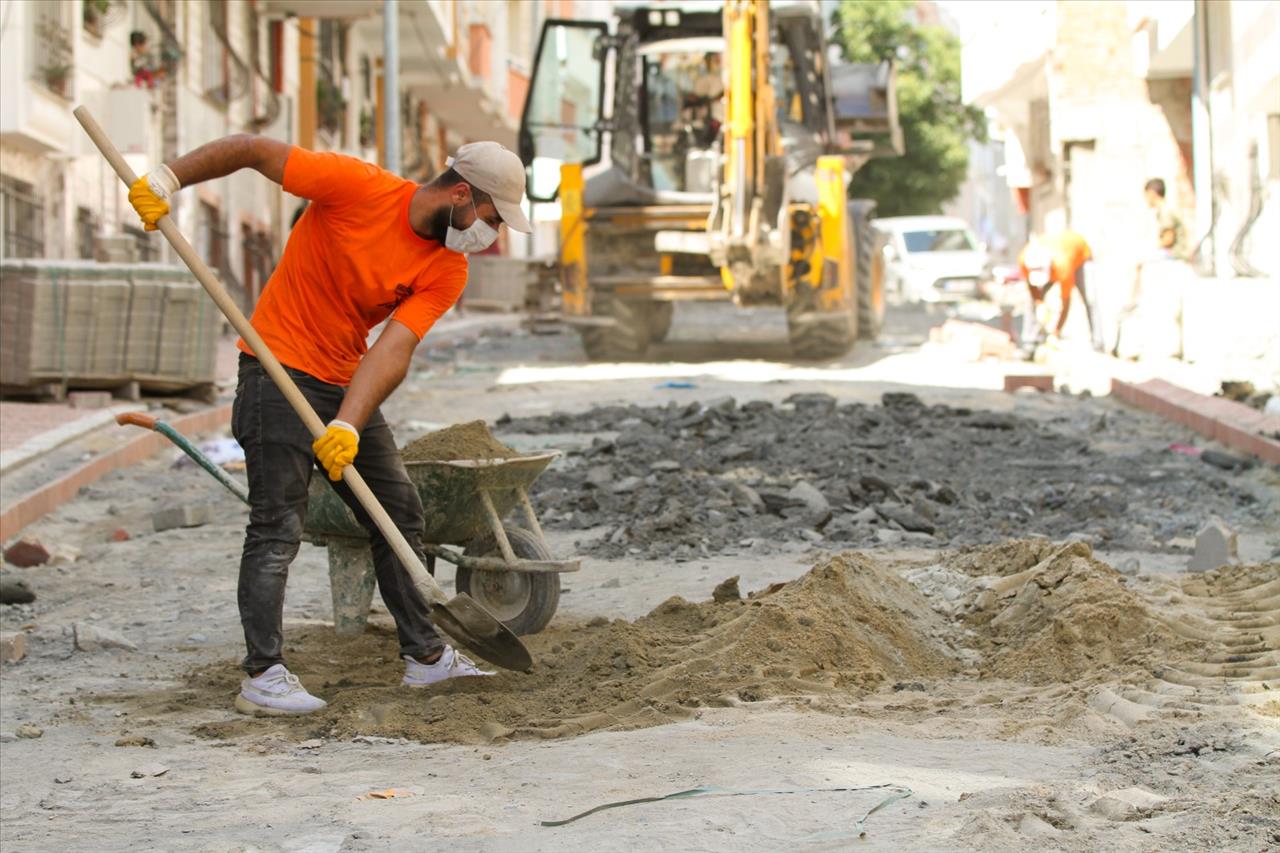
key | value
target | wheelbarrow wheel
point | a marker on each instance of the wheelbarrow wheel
(523, 601)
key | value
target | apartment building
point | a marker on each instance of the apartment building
(1092, 99)
(308, 72)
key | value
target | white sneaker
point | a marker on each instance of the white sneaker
(275, 693)
(452, 664)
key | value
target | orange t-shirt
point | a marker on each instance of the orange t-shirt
(1068, 251)
(351, 261)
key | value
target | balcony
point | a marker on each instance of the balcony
(433, 70)
(38, 79)
(327, 9)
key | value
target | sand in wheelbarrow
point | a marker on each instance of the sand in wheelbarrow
(461, 441)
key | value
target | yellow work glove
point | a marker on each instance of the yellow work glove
(336, 449)
(149, 195)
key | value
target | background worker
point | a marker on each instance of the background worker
(1144, 321)
(370, 246)
(1054, 259)
(1171, 233)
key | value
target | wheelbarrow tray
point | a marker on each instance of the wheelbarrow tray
(452, 494)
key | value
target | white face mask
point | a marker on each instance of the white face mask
(476, 238)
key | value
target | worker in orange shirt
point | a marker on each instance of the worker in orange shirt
(1055, 259)
(371, 246)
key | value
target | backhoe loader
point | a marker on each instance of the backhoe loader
(721, 138)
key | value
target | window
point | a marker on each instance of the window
(253, 44)
(218, 16)
(21, 220)
(328, 35)
(217, 76)
(683, 109)
(256, 262)
(521, 34)
(1273, 147)
(786, 89)
(93, 14)
(86, 232)
(567, 81)
(478, 42)
(148, 251)
(211, 236)
(52, 48)
(275, 57)
(938, 240)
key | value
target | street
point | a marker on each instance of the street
(986, 603)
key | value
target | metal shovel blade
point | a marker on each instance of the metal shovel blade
(474, 627)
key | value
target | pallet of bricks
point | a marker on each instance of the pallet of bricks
(125, 327)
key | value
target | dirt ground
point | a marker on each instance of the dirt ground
(1025, 691)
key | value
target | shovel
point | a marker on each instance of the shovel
(460, 617)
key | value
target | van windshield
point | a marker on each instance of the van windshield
(939, 240)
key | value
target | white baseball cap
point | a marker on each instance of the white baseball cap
(492, 168)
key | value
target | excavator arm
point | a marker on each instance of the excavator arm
(737, 221)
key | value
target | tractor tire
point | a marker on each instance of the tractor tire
(869, 270)
(828, 338)
(660, 316)
(626, 341)
(523, 601)
(821, 340)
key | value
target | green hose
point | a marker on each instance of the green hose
(203, 461)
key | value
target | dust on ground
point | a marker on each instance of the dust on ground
(850, 627)
(471, 440)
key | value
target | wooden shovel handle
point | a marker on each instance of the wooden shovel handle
(417, 572)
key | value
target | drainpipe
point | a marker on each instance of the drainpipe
(1202, 140)
(391, 84)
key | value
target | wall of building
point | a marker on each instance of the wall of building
(73, 182)
(1240, 42)
(1111, 101)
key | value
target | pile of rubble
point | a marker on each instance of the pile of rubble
(715, 477)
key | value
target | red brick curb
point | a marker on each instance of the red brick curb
(1233, 424)
(48, 498)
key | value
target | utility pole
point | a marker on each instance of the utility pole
(391, 85)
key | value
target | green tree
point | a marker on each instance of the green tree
(936, 123)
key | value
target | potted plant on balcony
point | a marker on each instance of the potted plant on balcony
(330, 106)
(57, 76)
(94, 15)
(55, 69)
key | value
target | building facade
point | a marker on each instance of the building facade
(1093, 99)
(308, 72)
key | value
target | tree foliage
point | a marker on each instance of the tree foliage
(936, 123)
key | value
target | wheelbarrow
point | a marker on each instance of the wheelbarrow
(507, 569)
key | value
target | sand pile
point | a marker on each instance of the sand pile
(460, 441)
(1029, 611)
(847, 626)
(1051, 613)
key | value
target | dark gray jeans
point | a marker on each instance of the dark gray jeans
(280, 462)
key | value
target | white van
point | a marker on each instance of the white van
(931, 259)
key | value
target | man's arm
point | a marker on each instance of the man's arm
(150, 194)
(383, 368)
(221, 157)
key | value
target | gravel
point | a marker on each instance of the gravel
(717, 477)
